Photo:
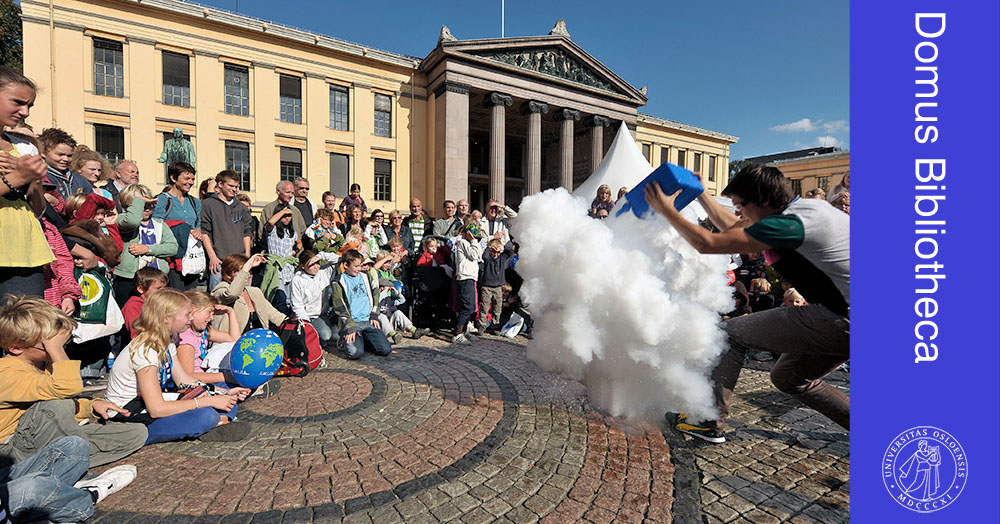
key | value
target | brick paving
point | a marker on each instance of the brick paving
(442, 433)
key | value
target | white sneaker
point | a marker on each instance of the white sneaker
(111, 481)
(461, 338)
(471, 328)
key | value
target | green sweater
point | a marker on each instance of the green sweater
(128, 225)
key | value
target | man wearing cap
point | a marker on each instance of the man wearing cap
(468, 253)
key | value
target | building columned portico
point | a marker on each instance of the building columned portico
(511, 117)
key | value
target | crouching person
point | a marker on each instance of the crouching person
(355, 301)
(37, 385)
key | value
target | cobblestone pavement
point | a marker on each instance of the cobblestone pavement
(475, 434)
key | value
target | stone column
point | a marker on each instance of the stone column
(498, 102)
(534, 110)
(451, 142)
(567, 116)
(597, 124)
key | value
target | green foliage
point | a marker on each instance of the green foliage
(735, 166)
(10, 35)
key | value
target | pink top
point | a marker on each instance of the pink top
(199, 341)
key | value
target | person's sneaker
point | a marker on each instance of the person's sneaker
(397, 338)
(762, 356)
(471, 337)
(471, 328)
(267, 389)
(111, 481)
(228, 432)
(680, 422)
(95, 384)
(461, 338)
(419, 332)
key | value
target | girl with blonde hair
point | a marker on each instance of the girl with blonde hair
(602, 201)
(147, 241)
(142, 374)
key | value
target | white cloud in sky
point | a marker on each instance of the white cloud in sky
(808, 125)
(836, 126)
(804, 125)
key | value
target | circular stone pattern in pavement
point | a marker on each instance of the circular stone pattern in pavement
(471, 434)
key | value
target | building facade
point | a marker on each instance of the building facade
(476, 119)
(818, 167)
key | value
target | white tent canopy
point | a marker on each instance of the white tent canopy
(623, 166)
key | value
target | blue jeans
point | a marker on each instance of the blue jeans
(190, 424)
(213, 280)
(41, 487)
(369, 337)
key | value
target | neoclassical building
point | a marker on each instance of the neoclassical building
(478, 119)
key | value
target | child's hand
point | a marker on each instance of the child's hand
(101, 407)
(138, 249)
(110, 216)
(240, 393)
(68, 306)
(219, 402)
(221, 309)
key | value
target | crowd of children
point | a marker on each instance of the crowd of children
(102, 296)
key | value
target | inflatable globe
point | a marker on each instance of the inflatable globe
(256, 357)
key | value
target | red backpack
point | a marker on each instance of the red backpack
(302, 350)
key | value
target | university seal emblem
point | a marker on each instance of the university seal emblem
(924, 469)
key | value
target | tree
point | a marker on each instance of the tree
(10, 35)
(735, 166)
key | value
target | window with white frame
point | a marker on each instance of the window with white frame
(238, 160)
(383, 115)
(383, 179)
(237, 86)
(109, 69)
(176, 79)
(339, 108)
(290, 99)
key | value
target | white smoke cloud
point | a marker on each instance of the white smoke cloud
(624, 305)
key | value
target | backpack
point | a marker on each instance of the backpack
(302, 349)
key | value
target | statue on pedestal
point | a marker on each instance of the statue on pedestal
(177, 149)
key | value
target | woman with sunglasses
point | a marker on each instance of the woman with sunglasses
(148, 241)
(397, 229)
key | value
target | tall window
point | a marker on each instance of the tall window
(339, 112)
(238, 159)
(109, 71)
(824, 183)
(290, 99)
(664, 155)
(340, 166)
(176, 79)
(383, 115)
(797, 187)
(696, 167)
(680, 157)
(711, 169)
(646, 151)
(237, 81)
(383, 179)
(109, 141)
(291, 163)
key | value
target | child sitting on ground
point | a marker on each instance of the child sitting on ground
(355, 301)
(390, 317)
(145, 369)
(308, 290)
(193, 345)
(37, 385)
(148, 280)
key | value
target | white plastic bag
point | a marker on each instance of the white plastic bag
(113, 324)
(193, 262)
(513, 326)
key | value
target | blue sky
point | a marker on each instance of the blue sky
(773, 73)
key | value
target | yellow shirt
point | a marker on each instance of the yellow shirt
(22, 384)
(22, 229)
